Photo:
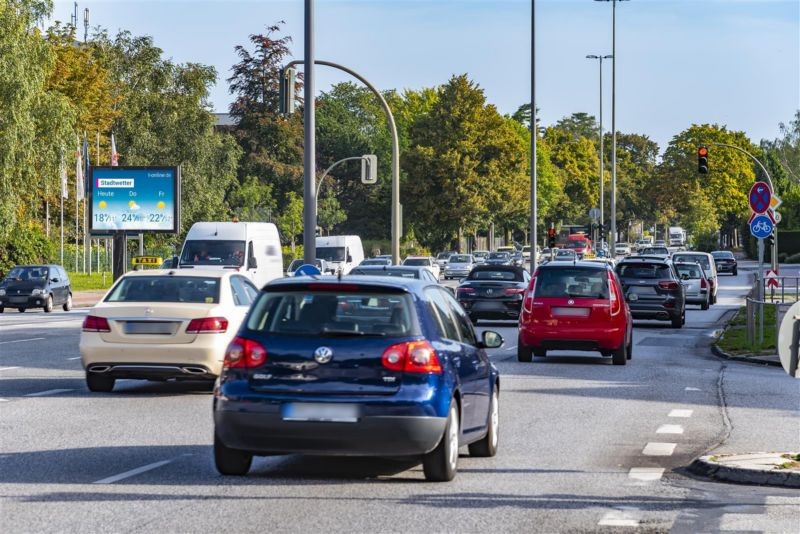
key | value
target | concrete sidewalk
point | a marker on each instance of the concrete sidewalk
(770, 468)
(87, 298)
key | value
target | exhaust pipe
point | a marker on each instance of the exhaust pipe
(99, 368)
(194, 370)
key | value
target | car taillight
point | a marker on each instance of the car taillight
(207, 325)
(668, 285)
(612, 297)
(514, 290)
(95, 324)
(465, 290)
(412, 357)
(243, 353)
(703, 283)
(527, 301)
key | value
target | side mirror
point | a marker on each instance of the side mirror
(349, 258)
(252, 263)
(491, 340)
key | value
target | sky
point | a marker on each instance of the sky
(730, 62)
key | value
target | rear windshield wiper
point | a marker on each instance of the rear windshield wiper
(332, 332)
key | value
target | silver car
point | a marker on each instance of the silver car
(459, 266)
(480, 256)
(695, 284)
(706, 261)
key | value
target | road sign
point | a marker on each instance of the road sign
(778, 217)
(760, 197)
(775, 201)
(772, 278)
(594, 213)
(761, 226)
(768, 213)
(307, 270)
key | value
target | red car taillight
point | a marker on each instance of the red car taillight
(514, 291)
(412, 357)
(95, 324)
(616, 305)
(703, 284)
(527, 301)
(207, 325)
(243, 353)
(465, 290)
(668, 285)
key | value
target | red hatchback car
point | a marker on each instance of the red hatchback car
(575, 306)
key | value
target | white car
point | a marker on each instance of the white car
(424, 261)
(622, 249)
(459, 266)
(164, 325)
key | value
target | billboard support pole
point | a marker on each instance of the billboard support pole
(118, 254)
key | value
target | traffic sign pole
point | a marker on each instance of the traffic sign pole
(760, 278)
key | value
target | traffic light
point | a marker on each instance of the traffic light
(287, 78)
(702, 160)
(602, 229)
(551, 237)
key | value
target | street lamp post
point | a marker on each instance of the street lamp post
(310, 150)
(612, 232)
(602, 185)
(534, 135)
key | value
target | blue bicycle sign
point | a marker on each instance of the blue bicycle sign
(761, 226)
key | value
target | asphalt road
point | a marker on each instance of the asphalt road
(585, 446)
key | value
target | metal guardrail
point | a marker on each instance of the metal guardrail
(754, 323)
(788, 290)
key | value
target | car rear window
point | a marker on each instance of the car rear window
(643, 270)
(689, 270)
(309, 313)
(417, 261)
(702, 259)
(166, 288)
(575, 282)
(722, 255)
(496, 274)
(400, 273)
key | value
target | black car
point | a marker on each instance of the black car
(36, 286)
(498, 258)
(493, 292)
(653, 289)
(725, 262)
(400, 271)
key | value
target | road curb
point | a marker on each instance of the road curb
(718, 352)
(704, 466)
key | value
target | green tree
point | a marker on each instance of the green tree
(290, 222)
(330, 213)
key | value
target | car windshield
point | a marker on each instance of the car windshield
(166, 288)
(702, 259)
(460, 259)
(400, 273)
(499, 256)
(657, 250)
(423, 262)
(375, 261)
(574, 282)
(310, 313)
(212, 252)
(28, 273)
(577, 243)
(565, 252)
(643, 270)
(480, 254)
(443, 256)
(331, 253)
(690, 271)
(722, 255)
(505, 275)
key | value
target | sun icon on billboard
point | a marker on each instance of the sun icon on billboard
(133, 205)
(102, 204)
(161, 205)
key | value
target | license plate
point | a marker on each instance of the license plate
(316, 411)
(150, 327)
(18, 300)
(571, 312)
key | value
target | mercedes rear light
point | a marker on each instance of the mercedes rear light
(243, 353)
(669, 285)
(412, 357)
(514, 290)
(207, 325)
(465, 290)
(95, 324)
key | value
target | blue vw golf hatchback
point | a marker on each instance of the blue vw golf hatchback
(366, 366)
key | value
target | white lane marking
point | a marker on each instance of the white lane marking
(670, 429)
(511, 348)
(646, 473)
(7, 368)
(691, 389)
(75, 358)
(48, 392)
(3, 400)
(618, 518)
(132, 472)
(680, 413)
(659, 449)
(21, 340)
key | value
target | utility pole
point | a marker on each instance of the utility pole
(534, 135)
(309, 156)
(602, 177)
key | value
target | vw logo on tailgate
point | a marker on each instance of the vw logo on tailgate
(323, 354)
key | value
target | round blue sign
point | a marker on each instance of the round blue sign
(761, 226)
(307, 270)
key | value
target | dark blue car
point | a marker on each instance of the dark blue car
(366, 366)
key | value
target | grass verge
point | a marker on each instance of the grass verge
(83, 282)
(734, 339)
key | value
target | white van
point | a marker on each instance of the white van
(342, 252)
(253, 248)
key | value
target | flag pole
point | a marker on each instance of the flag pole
(78, 171)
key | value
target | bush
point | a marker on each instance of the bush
(26, 244)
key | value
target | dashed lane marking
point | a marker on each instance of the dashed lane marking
(78, 358)
(646, 473)
(670, 429)
(691, 389)
(618, 518)
(21, 340)
(680, 413)
(659, 449)
(7, 368)
(48, 392)
(132, 472)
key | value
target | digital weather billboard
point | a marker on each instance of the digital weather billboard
(134, 199)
